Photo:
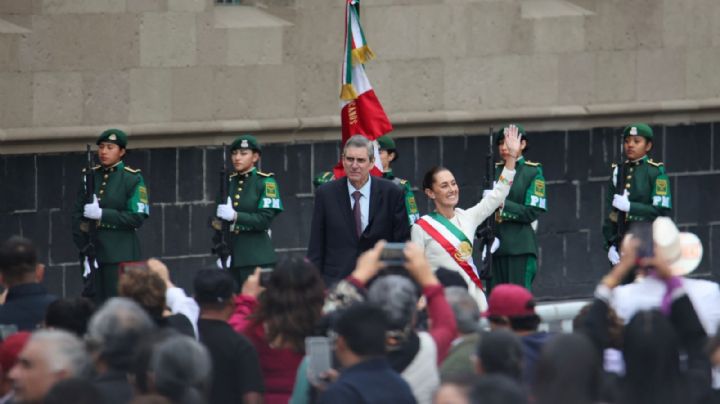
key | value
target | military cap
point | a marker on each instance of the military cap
(500, 135)
(638, 129)
(386, 143)
(113, 136)
(246, 142)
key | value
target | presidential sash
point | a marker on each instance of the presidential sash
(453, 240)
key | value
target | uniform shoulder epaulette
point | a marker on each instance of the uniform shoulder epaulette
(654, 163)
(613, 165)
(132, 170)
(262, 174)
(97, 167)
(532, 163)
(233, 174)
(500, 163)
(402, 181)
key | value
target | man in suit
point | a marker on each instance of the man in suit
(352, 213)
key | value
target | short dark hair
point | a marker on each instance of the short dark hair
(497, 389)
(70, 314)
(363, 327)
(500, 352)
(18, 257)
(429, 178)
(525, 323)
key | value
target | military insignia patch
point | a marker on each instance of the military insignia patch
(413, 205)
(112, 137)
(244, 144)
(271, 190)
(143, 194)
(539, 187)
(661, 186)
(633, 131)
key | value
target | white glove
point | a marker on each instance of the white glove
(92, 210)
(613, 255)
(226, 212)
(227, 263)
(621, 202)
(86, 267)
(493, 247)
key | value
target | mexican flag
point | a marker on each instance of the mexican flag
(361, 111)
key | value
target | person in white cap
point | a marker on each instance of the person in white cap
(684, 253)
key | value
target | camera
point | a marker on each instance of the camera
(393, 255)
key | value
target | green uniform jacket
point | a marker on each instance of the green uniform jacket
(256, 199)
(410, 203)
(525, 202)
(649, 195)
(123, 198)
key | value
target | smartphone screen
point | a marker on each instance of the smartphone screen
(265, 274)
(643, 232)
(392, 255)
(319, 354)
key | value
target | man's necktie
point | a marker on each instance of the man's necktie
(356, 212)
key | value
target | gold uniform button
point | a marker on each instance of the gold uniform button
(629, 177)
(103, 184)
(105, 176)
(631, 169)
(627, 185)
(239, 189)
(235, 204)
(237, 196)
(102, 191)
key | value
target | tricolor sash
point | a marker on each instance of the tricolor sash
(453, 240)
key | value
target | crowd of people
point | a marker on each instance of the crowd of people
(387, 307)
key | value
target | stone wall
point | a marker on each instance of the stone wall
(38, 192)
(170, 69)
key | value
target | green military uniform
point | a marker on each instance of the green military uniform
(648, 187)
(515, 261)
(256, 199)
(123, 198)
(410, 205)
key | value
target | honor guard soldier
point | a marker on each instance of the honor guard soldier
(647, 187)
(388, 154)
(515, 259)
(252, 204)
(119, 207)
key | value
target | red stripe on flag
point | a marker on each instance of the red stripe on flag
(364, 116)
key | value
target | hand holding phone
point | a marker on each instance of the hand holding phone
(392, 255)
(319, 354)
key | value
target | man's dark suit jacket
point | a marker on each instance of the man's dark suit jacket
(334, 244)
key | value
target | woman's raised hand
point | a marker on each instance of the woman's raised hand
(512, 141)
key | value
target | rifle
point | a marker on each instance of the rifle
(88, 250)
(222, 227)
(485, 233)
(619, 190)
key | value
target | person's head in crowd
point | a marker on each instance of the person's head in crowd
(497, 389)
(74, 390)
(397, 296)
(9, 350)
(465, 308)
(114, 331)
(19, 262)
(615, 325)
(48, 357)
(387, 151)
(449, 278)
(651, 351)
(455, 389)
(568, 371)
(290, 307)
(360, 333)
(358, 157)
(180, 369)
(512, 306)
(214, 292)
(499, 352)
(150, 399)
(70, 314)
(146, 288)
(140, 369)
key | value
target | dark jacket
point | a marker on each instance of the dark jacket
(370, 381)
(334, 246)
(114, 387)
(25, 306)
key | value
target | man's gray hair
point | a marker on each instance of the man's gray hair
(361, 141)
(398, 297)
(63, 351)
(182, 367)
(116, 328)
(465, 308)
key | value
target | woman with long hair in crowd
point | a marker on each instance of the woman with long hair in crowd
(446, 234)
(277, 317)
